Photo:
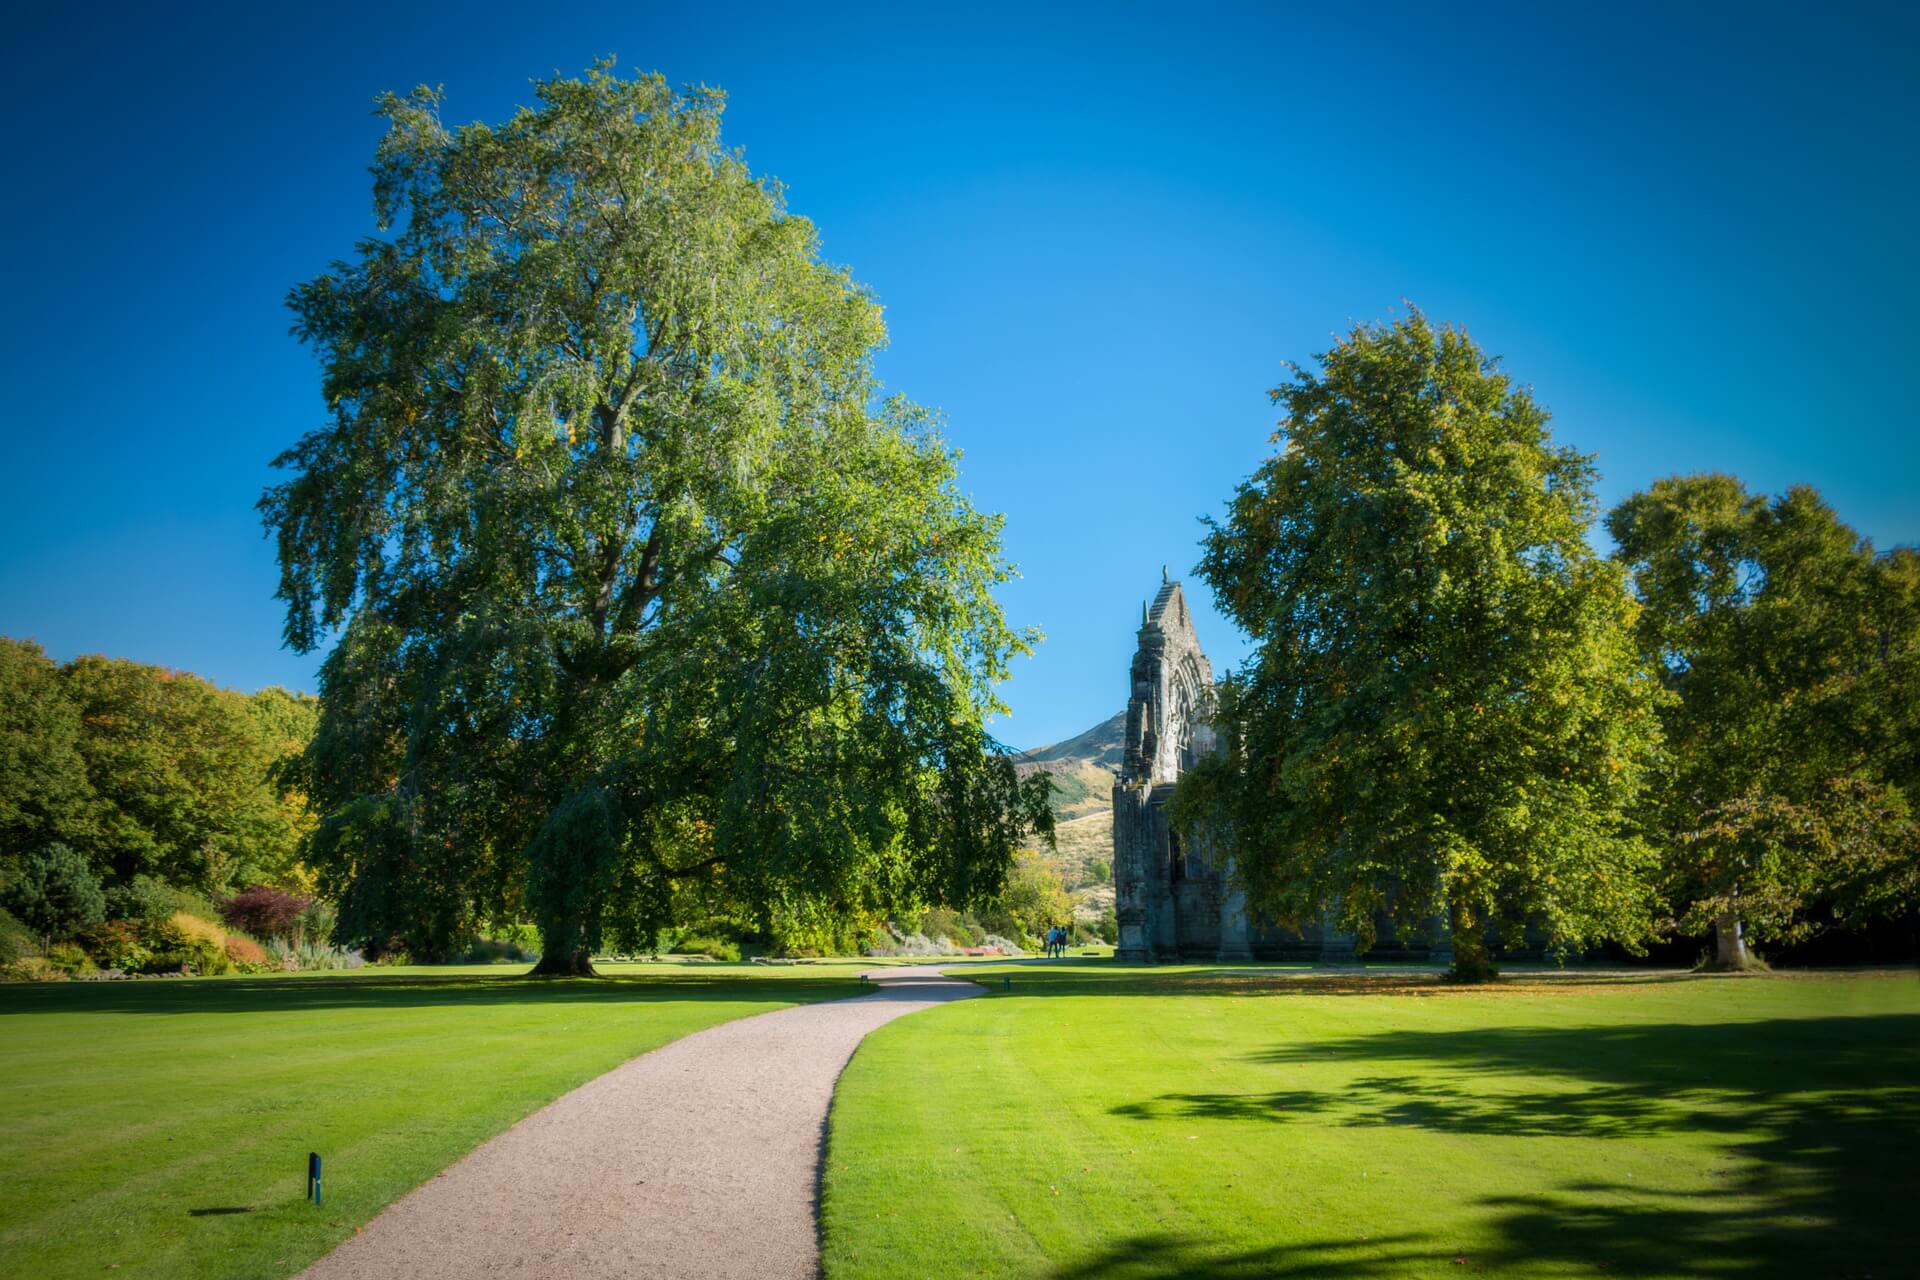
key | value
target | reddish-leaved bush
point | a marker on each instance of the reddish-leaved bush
(264, 911)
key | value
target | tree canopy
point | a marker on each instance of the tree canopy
(645, 602)
(1793, 655)
(1444, 711)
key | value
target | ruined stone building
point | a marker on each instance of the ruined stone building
(1172, 901)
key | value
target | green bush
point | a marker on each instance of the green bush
(945, 922)
(32, 969)
(56, 894)
(190, 942)
(119, 944)
(151, 901)
(16, 940)
(70, 959)
(707, 945)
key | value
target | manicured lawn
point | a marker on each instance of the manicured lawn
(1100, 1121)
(161, 1128)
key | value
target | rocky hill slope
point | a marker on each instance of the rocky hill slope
(1083, 769)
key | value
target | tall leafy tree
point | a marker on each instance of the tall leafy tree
(1444, 711)
(45, 795)
(1791, 651)
(641, 595)
(185, 775)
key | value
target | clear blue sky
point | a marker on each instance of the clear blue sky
(1098, 234)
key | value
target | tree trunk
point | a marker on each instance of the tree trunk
(1472, 957)
(1729, 943)
(578, 964)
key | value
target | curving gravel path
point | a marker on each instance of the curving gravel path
(701, 1158)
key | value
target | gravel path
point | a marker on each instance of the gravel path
(701, 1158)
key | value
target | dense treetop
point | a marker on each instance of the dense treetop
(643, 595)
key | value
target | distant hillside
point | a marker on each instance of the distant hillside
(1083, 769)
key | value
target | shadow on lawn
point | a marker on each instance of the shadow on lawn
(1816, 1121)
(1036, 981)
(399, 991)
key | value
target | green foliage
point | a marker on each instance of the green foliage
(696, 943)
(55, 893)
(1791, 651)
(1033, 901)
(150, 901)
(122, 944)
(183, 940)
(944, 922)
(44, 792)
(1444, 710)
(606, 510)
(71, 959)
(389, 880)
(187, 774)
(17, 942)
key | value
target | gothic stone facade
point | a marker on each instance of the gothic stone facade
(1176, 902)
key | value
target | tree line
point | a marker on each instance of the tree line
(1458, 708)
(149, 772)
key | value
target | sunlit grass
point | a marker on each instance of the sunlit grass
(1096, 1120)
(134, 1111)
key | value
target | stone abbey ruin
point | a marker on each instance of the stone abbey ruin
(1174, 898)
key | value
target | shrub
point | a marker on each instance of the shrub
(32, 969)
(186, 941)
(1107, 927)
(266, 912)
(288, 956)
(151, 900)
(119, 944)
(247, 955)
(56, 894)
(16, 940)
(70, 960)
(711, 947)
(945, 922)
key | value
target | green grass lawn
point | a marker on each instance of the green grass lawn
(1100, 1121)
(161, 1128)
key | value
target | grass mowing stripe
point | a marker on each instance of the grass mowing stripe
(130, 1106)
(1174, 1122)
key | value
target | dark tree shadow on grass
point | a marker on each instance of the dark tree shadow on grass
(1820, 1119)
(378, 990)
(1163, 1256)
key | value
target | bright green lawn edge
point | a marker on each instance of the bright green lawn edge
(1101, 1120)
(129, 1106)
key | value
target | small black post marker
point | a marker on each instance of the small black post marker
(313, 1176)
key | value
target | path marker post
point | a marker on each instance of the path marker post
(313, 1176)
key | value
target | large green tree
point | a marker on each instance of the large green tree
(1791, 650)
(642, 596)
(44, 792)
(187, 776)
(1444, 711)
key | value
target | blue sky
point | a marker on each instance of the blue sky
(1098, 233)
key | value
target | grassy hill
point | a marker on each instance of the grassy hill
(1083, 769)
